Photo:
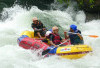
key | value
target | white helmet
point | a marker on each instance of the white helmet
(48, 33)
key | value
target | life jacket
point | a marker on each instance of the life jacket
(74, 38)
(56, 39)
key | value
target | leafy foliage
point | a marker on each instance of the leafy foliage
(81, 2)
(64, 1)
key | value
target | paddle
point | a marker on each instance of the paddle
(93, 36)
(46, 51)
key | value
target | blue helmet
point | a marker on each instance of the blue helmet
(74, 27)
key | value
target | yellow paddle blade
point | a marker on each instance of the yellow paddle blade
(94, 36)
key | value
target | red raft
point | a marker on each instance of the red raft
(35, 44)
(30, 43)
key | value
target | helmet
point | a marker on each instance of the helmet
(48, 33)
(35, 18)
(74, 27)
(54, 28)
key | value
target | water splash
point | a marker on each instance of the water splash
(19, 19)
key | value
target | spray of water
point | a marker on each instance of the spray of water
(18, 19)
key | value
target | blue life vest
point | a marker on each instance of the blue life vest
(74, 38)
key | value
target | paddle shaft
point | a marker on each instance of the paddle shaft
(46, 51)
(74, 33)
(63, 43)
(94, 36)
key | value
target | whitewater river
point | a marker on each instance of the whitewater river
(17, 19)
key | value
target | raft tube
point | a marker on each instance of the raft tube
(28, 41)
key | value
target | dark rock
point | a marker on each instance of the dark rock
(92, 16)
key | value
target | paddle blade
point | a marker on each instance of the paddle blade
(94, 36)
(45, 52)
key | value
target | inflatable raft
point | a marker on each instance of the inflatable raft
(28, 41)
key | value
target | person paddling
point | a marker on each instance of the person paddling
(74, 38)
(39, 28)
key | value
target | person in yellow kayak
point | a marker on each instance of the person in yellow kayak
(39, 28)
(75, 35)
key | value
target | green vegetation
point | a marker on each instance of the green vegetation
(64, 1)
(81, 2)
(92, 3)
